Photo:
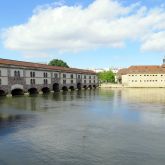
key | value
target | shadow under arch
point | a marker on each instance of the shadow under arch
(2, 93)
(71, 88)
(90, 86)
(45, 90)
(64, 88)
(85, 87)
(94, 86)
(17, 92)
(56, 87)
(33, 91)
(79, 86)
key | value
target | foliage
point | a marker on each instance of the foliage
(107, 76)
(58, 62)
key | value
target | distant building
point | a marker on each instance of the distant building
(142, 76)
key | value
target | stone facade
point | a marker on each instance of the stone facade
(30, 76)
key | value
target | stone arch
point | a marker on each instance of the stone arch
(33, 91)
(17, 86)
(79, 86)
(45, 90)
(56, 87)
(71, 88)
(64, 88)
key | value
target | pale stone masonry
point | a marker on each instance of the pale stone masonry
(142, 76)
(27, 76)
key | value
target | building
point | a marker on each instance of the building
(17, 77)
(142, 76)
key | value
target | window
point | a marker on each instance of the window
(71, 76)
(79, 76)
(45, 81)
(89, 81)
(55, 75)
(15, 73)
(71, 81)
(0, 73)
(18, 73)
(94, 81)
(84, 77)
(89, 77)
(0, 82)
(32, 81)
(45, 74)
(64, 81)
(85, 81)
(64, 75)
(32, 74)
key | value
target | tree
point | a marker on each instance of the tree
(58, 62)
(107, 76)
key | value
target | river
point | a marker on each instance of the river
(93, 127)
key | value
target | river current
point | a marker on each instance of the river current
(93, 127)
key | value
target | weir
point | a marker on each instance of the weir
(34, 78)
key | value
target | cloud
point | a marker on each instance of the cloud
(104, 23)
(35, 55)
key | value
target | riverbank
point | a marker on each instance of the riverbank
(110, 85)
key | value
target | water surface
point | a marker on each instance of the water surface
(97, 127)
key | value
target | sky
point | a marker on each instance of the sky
(84, 33)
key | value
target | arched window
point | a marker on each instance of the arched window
(18, 73)
(31, 74)
(55, 75)
(15, 73)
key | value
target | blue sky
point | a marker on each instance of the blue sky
(94, 35)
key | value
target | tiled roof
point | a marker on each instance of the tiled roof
(122, 71)
(143, 69)
(43, 66)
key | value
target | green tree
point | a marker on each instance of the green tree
(58, 62)
(107, 76)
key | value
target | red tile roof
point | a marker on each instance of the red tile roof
(43, 66)
(143, 69)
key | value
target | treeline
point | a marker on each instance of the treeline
(106, 76)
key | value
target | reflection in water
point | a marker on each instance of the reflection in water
(88, 127)
(146, 95)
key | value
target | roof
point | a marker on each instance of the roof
(143, 69)
(122, 71)
(32, 65)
